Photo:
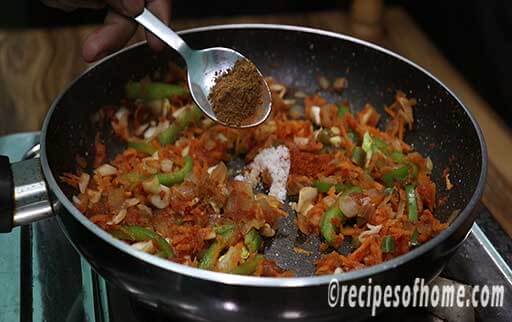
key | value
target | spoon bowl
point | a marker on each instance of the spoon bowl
(203, 67)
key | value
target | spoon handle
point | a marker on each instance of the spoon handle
(162, 31)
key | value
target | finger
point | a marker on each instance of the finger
(162, 9)
(109, 38)
(129, 8)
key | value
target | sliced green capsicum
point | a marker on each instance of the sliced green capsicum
(142, 146)
(138, 233)
(225, 234)
(191, 115)
(412, 206)
(153, 90)
(169, 179)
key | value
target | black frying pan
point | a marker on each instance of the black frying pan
(445, 131)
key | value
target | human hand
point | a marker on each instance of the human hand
(118, 28)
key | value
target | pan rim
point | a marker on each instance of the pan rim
(230, 279)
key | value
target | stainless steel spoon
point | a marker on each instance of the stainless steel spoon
(203, 66)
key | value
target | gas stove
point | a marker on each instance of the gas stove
(43, 278)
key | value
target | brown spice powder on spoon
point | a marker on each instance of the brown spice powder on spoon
(237, 93)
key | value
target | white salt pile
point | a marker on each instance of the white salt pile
(276, 160)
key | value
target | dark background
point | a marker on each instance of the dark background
(475, 35)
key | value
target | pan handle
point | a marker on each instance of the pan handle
(23, 193)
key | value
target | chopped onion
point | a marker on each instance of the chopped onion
(145, 246)
(166, 165)
(106, 170)
(329, 200)
(158, 201)
(178, 112)
(222, 137)
(338, 270)
(315, 111)
(365, 115)
(117, 219)
(141, 129)
(185, 151)
(210, 235)
(76, 201)
(335, 140)
(210, 169)
(94, 196)
(348, 206)
(84, 182)
(373, 230)
(335, 130)
(306, 196)
(166, 106)
(267, 231)
(307, 209)
(153, 131)
(429, 165)
(300, 140)
(150, 133)
(130, 202)
(121, 114)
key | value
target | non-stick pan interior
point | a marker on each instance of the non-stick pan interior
(443, 130)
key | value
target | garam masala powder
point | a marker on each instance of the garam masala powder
(237, 93)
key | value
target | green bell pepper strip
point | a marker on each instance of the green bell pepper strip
(138, 233)
(398, 174)
(133, 177)
(358, 156)
(249, 266)
(170, 135)
(169, 179)
(252, 240)
(225, 235)
(142, 146)
(351, 189)
(342, 110)
(371, 145)
(152, 91)
(397, 156)
(412, 206)
(327, 227)
(324, 187)
(414, 238)
(388, 244)
(380, 144)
